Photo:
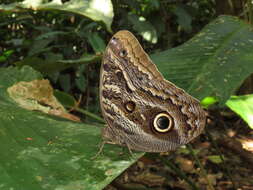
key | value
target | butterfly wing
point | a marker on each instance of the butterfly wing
(143, 110)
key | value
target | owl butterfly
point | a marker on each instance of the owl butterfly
(143, 111)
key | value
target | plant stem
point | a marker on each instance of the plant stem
(227, 170)
(92, 115)
(202, 170)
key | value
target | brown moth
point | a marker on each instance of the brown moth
(143, 111)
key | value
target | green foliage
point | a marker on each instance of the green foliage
(242, 105)
(208, 101)
(45, 152)
(96, 42)
(183, 17)
(143, 27)
(213, 63)
(96, 10)
(217, 159)
(5, 55)
(64, 42)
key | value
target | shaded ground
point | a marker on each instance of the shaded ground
(224, 151)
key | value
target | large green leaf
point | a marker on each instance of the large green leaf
(213, 63)
(97, 10)
(39, 151)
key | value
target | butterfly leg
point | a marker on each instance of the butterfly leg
(105, 140)
(101, 146)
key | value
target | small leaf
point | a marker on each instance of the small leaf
(39, 46)
(243, 106)
(184, 19)
(143, 27)
(4, 56)
(216, 159)
(87, 58)
(81, 83)
(54, 62)
(96, 42)
(155, 4)
(186, 151)
(65, 99)
(208, 101)
(65, 83)
(50, 34)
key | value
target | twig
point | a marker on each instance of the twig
(180, 174)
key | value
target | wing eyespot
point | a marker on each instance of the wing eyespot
(130, 106)
(123, 53)
(163, 123)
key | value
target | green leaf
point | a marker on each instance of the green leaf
(65, 82)
(155, 4)
(184, 19)
(4, 56)
(143, 27)
(213, 63)
(96, 42)
(66, 99)
(50, 34)
(208, 101)
(50, 66)
(81, 83)
(217, 159)
(40, 46)
(243, 106)
(42, 152)
(97, 10)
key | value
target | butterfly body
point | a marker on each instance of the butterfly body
(143, 111)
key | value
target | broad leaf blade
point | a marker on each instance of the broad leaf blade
(213, 63)
(97, 10)
(39, 151)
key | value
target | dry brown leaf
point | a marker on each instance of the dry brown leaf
(149, 179)
(185, 164)
(38, 95)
